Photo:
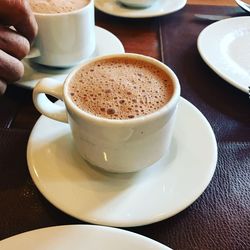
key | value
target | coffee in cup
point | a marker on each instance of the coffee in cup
(121, 109)
(120, 88)
(56, 6)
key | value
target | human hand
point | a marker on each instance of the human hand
(14, 44)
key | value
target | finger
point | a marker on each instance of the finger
(27, 25)
(18, 13)
(11, 69)
(3, 86)
(13, 44)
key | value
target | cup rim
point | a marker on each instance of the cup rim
(64, 13)
(141, 119)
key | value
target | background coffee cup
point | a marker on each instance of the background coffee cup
(114, 145)
(138, 3)
(64, 39)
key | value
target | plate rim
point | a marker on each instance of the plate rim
(210, 64)
(82, 228)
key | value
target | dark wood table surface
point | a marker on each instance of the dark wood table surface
(22, 206)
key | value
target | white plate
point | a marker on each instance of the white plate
(225, 47)
(80, 237)
(106, 43)
(123, 200)
(159, 8)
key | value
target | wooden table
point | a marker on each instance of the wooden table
(213, 2)
(23, 208)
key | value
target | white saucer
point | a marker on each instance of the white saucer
(79, 237)
(124, 200)
(107, 43)
(224, 46)
(159, 8)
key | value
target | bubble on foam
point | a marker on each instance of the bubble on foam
(107, 91)
(110, 111)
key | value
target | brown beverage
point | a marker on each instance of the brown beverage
(120, 88)
(56, 6)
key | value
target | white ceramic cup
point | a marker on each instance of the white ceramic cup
(64, 39)
(138, 3)
(114, 145)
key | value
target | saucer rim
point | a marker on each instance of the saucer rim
(181, 5)
(145, 221)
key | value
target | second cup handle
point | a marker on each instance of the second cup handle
(44, 105)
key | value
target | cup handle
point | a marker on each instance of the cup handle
(44, 105)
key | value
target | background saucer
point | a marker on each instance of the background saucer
(160, 8)
(106, 43)
(79, 237)
(124, 200)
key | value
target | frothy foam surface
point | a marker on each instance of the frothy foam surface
(120, 88)
(56, 6)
